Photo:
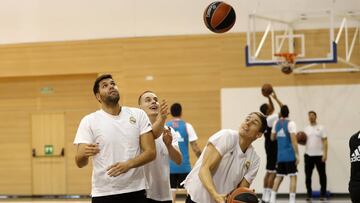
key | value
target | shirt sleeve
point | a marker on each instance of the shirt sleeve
(84, 133)
(144, 122)
(253, 169)
(323, 132)
(223, 141)
(292, 127)
(175, 142)
(271, 120)
(191, 132)
(273, 130)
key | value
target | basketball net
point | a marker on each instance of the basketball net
(286, 60)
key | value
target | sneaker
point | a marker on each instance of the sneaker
(308, 199)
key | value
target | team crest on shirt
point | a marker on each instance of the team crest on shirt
(132, 120)
(247, 165)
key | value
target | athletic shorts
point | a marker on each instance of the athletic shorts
(286, 168)
(176, 179)
(354, 188)
(271, 155)
(138, 197)
(155, 201)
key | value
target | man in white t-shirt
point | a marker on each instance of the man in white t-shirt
(315, 153)
(158, 172)
(228, 161)
(120, 140)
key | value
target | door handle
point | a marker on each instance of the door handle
(62, 154)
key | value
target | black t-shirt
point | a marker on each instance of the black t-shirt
(354, 144)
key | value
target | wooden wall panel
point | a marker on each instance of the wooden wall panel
(186, 69)
(15, 153)
(20, 97)
(78, 179)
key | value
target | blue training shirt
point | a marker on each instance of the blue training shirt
(285, 149)
(183, 141)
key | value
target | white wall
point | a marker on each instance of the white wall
(338, 109)
(54, 20)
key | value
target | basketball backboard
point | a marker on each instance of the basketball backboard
(310, 35)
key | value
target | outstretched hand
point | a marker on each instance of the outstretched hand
(164, 110)
(167, 137)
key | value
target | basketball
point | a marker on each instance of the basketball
(301, 137)
(219, 17)
(286, 69)
(242, 195)
(266, 89)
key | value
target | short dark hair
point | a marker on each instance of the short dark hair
(263, 121)
(284, 111)
(176, 109)
(147, 91)
(313, 113)
(98, 80)
(264, 108)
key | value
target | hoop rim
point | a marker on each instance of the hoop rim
(288, 57)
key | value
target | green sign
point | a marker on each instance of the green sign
(48, 149)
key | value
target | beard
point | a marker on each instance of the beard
(110, 100)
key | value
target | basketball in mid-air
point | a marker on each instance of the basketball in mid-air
(242, 195)
(219, 17)
(301, 137)
(266, 89)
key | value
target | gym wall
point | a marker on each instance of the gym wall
(189, 69)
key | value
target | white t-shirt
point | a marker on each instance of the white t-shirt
(291, 127)
(191, 132)
(271, 119)
(234, 166)
(158, 171)
(314, 144)
(118, 138)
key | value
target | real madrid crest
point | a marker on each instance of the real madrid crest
(247, 165)
(132, 120)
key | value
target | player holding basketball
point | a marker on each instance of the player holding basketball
(120, 140)
(228, 161)
(315, 153)
(284, 131)
(157, 172)
(270, 146)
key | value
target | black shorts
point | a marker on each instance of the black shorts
(286, 168)
(176, 179)
(354, 188)
(155, 201)
(271, 155)
(138, 197)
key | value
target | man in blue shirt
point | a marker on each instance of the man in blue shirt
(186, 135)
(284, 131)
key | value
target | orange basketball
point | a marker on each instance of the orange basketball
(242, 195)
(266, 89)
(286, 69)
(301, 137)
(219, 17)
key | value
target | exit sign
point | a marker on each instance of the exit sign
(48, 149)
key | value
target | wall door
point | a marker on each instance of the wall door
(48, 156)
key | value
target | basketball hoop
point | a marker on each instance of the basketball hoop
(286, 61)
